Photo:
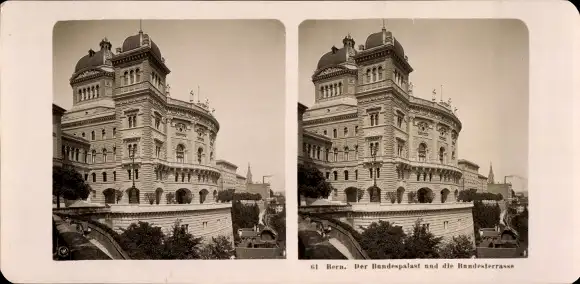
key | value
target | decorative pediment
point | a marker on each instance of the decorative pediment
(86, 74)
(329, 70)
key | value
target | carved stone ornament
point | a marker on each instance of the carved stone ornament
(87, 73)
(329, 71)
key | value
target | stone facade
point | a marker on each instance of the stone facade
(124, 129)
(471, 179)
(378, 132)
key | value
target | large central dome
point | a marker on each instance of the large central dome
(139, 40)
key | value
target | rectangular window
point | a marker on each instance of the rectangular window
(327, 175)
(371, 172)
(185, 227)
(86, 177)
(136, 174)
(104, 177)
(445, 225)
(378, 173)
(129, 173)
(399, 121)
(114, 132)
(114, 176)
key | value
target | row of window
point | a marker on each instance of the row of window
(88, 93)
(374, 74)
(345, 132)
(134, 76)
(200, 178)
(372, 172)
(376, 172)
(104, 176)
(331, 90)
(79, 155)
(398, 78)
(422, 153)
(103, 134)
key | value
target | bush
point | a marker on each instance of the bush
(150, 197)
(421, 243)
(459, 247)
(219, 248)
(391, 195)
(312, 183)
(382, 240)
(170, 197)
(69, 184)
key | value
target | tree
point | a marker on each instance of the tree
(311, 182)
(382, 240)
(422, 243)
(460, 247)
(118, 195)
(181, 244)
(143, 241)
(219, 248)
(69, 184)
(244, 216)
(520, 224)
(278, 223)
(225, 195)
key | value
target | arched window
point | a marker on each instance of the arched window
(94, 177)
(346, 150)
(345, 175)
(77, 155)
(326, 91)
(180, 153)
(104, 177)
(453, 155)
(199, 154)
(356, 174)
(318, 152)
(335, 155)
(335, 173)
(131, 77)
(104, 155)
(114, 153)
(322, 92)
(93, 135)
(80, 96)
(340, 88)
(327, 155)
(441, 155)
(103, 134)
(126, 78)
(422, 152)
(371, 173)
(368, 75)
(335, 89)
(85, 94)
(97, 89)
(211, 156)
(114, 176)
(137, 76)
(83, 135)
(334, 133)
(380, 70)
(374, 74)
(345, 131)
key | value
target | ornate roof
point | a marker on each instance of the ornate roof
(139, 40)
(95, 58)
(380, 38)
(334, 57)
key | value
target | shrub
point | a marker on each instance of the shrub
(392, 196)
(312, 183)
(412, 196)
(150, 197)
(170, 197)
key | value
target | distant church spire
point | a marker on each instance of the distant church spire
(490, 178)
(249, 175)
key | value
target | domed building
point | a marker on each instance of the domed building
(143, 152)
(390, 155)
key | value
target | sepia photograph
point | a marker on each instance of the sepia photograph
(157, 145)
(413, 139)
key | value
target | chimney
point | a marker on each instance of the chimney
(361, 47)
(334, 49)
(91, 52)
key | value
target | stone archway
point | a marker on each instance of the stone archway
(109, 194)
(183, 196)
(158, 194)
(444, 194)
(133, 194)
(202, 195)
(351, 194)
(400, 194)
(424, 195)
(374, 194)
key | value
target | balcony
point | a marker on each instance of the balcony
(396, 207)
(425, 164)
(145, 85)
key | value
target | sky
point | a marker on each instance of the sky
(483, 66)
(239, 66)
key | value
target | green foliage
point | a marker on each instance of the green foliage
(247, 196)
(143, 241)
(312, 183)
(520, 224)
(244, 216)
(412, 196)
(230, 195)
(118, 195)
(278, 223)
(473, 195)
(459, 247)
(219, 248)
(150, 197)
(181, 244)
(486, 216)
(68, 183)
(170, 197)
(422, 243)
(382, 240)
(391, 195)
